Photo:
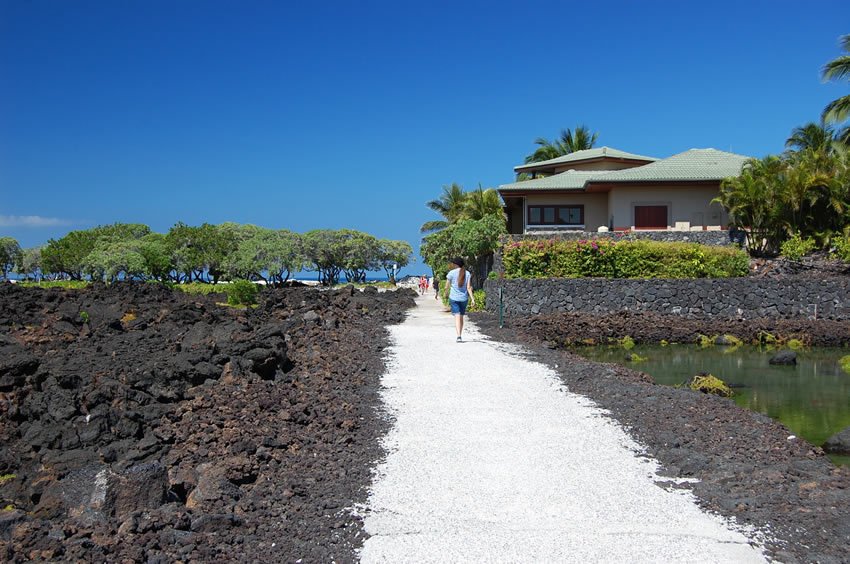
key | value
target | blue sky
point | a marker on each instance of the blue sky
(311, 115)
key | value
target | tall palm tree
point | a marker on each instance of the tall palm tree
(818, 137)
(450, 205)
(838, 110)
(481, 203)
(569, 142)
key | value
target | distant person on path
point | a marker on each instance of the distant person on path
(459, 289)
(436, 288)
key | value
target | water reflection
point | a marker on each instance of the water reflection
(812, 399)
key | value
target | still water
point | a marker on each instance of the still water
(812, 399)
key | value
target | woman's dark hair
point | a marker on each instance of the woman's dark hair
(461, 278)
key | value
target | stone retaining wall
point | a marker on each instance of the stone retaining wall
(790, 297)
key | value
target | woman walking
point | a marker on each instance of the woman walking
(459, 289)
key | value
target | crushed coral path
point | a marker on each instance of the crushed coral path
(490, 458)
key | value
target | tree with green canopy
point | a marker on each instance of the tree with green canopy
(475, 240)
(30, 265)
(324, 251)
(277, 253)
(814, 136)
(360, 254)
(838, 110)
(10, 255)
(568, 142)
(480, 203)
(451, 205)
(393, 255)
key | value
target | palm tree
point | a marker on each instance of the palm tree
(481, 203)
(814, 136)
(838, 110)
(569, 142)
(450, 205)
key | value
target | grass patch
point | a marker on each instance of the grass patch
(199, 288)
(66, 284)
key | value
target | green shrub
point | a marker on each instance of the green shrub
(480, 301)
(627, 343)
(841, 248)
(242, 292)
(796, 247)
(704, 341)
(625, 259)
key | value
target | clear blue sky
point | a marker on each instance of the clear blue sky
(339, 114)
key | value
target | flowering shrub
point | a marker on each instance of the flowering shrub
(621, 259)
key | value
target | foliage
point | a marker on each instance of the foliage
(627, 343)
(209, 253)
(199, 288)
(796, 344)
(10, 255)
(64, 284)
(480, 301)
(839, 68)
(454, 204)
(568, 142)
(242, 292)
(635, 357)
(796, 247)
(805, 192)
(393, 255)
(277, 253)
(710, 384)
(473, 240)
(84, 316)
(624, 259)
(841, 248)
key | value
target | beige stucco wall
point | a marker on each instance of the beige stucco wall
(685, 204)
(595, 206)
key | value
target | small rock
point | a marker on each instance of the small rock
(784, 358)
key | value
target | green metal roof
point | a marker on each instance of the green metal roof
(693, 165)
(569, 180)
(696, 164)
(584, 155)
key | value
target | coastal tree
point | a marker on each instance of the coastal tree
(838, 110)
(393, 255)
(324, 251)
(473, 239)
(360, 254)
(30, 264)
(265, 254)
(568, 142)
(451, 205)
(480, 203)
(10, 255)
(814, 136)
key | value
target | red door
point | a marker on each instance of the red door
(650, 217)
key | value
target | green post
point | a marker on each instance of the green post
(501, 310)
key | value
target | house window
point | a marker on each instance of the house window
(556, 215)
(650, 217)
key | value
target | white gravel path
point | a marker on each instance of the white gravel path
(491, 459)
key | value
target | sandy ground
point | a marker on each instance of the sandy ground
(491, 459)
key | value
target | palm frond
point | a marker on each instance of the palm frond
(837, 110)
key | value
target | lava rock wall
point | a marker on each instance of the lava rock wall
(745, 298)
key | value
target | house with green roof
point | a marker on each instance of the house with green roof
(608, 189)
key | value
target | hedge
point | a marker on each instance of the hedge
(624, 259)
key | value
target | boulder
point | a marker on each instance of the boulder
(785, 358)
(838, 443)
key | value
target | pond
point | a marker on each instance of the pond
(812, 399)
